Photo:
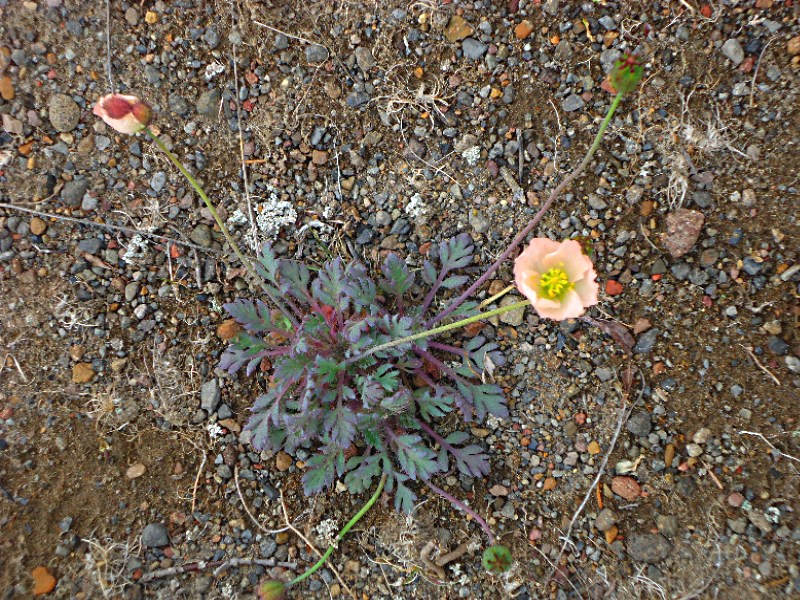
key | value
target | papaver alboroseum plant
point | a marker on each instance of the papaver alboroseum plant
(362, 367)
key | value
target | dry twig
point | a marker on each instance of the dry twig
(774, 449)
(625, 412)
(761, 366)
(247, 510)
(217, 565)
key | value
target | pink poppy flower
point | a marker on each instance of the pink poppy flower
(126, 114)
(557, 277)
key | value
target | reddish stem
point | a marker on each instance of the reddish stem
(459, 504)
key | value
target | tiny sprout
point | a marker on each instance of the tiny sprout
(627, 73)
(497, 559)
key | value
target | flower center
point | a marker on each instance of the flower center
(554, 284)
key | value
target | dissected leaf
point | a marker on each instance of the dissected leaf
(428, 272)
(456, 252)
(486, 398)
(340, 424)
(267, 265)
(253, 316)
(364, 470)
(327, 369)
(296, 277)
(471, 460)
(330, 284)
(320, 473)
(404, 499)
(244, 349)
(414, 456)
(398, 402)
(432, 405)
(397, 277)
(454, 281)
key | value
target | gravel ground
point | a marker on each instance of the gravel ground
(369, 127)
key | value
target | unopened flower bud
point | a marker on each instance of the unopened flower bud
(626, 74)
(126, 114)
(271, 590)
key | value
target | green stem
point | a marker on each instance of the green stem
(341, 535)
(599, 137)
(228, 238)
(438, 330)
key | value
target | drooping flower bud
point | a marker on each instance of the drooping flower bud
(126, 114)
(626, 74)
(557, 277)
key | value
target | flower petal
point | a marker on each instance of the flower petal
(587, 288)
(570, 307)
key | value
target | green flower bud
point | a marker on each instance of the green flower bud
(626, 74)
(271, 590)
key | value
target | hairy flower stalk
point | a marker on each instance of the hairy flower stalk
(626, 76)
(129, 114)
(228, 237)
(275, 590)
(437, 330)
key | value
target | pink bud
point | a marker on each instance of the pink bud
(126, 114)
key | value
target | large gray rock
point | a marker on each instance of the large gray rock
(473, 49)
(733, 51)
(208, 103)
(64, 113)
(155, 535)
(210, 396)
(73, 191)
(649, 547)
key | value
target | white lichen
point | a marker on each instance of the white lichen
(471, 155)
(136, 248)
(416, 207)
(326, 531)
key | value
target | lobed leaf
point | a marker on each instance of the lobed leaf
(404, 499)
(253, 316)
(329, 286)
(295, 277)
(267, 264)
(320, 473)
(364, 470)
(432, 406)
(340, 424)
(456, 252)
(471, 460)
(397, 277)
(414, 456)
(486, 398)
(244, 349)
(428, 272)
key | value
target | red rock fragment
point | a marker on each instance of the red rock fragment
(683, 229)
(613, 287)
(626, 487)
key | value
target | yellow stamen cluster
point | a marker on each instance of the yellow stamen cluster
(554, 284)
